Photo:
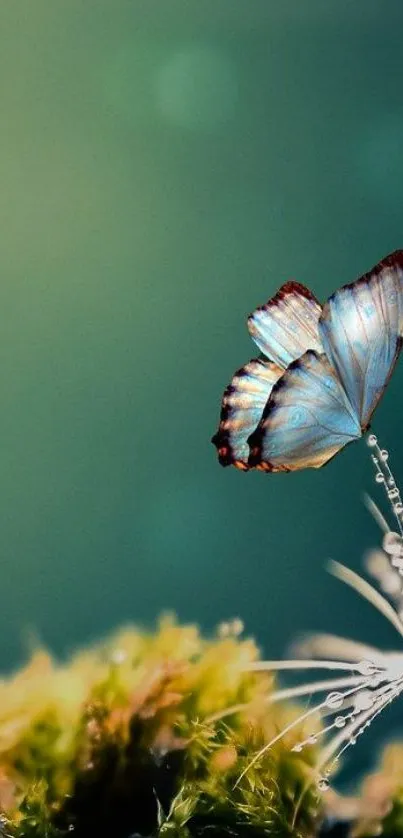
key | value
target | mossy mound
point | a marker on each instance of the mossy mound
(126, 739)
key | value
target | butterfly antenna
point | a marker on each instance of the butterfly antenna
(384, 476)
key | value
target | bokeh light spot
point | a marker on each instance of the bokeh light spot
(197, 88)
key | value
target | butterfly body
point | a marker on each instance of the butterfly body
(321, 375)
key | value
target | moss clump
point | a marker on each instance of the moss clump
(126, 739)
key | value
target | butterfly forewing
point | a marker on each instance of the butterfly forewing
(287, 325)
(307, 418)
(242, 406)
(360, 329)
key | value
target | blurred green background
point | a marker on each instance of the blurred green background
(164, 167)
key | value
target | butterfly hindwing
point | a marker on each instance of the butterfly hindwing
(242, 406)
(307, 418)
(287, 325)
(360, 328)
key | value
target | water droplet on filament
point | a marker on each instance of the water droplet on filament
(334, 700)
(323, 784)
(363, 701)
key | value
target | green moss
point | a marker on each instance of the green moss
(127, 738)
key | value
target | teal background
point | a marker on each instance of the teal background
(164, 167)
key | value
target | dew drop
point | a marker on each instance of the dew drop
(297, 748)
(392, 493)
(363, 701)
(352, 740)
(312, 740)
(372, 440)
(334, 700)
(340, 721)
(323, 784)
(379, 477)
(398, 508)
(384, 455)
(366, 668)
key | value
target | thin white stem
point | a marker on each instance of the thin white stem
(368, 592)
(384, 695)
(276, 666)
(292, 692)
(279, 736)
(339, 648)
(376, 513)
(367, 715)
(317, 686)
(293, 724)
(385, 477)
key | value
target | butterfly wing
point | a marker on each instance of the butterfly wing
(242, 406)
(360, 328)
(306, 421)
(287, 325)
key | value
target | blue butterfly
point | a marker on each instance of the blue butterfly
(320, 376)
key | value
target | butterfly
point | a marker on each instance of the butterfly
(320, 375)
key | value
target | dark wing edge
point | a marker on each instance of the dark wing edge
(222, 439)
(290, 287)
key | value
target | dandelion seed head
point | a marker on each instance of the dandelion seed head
(359, 681)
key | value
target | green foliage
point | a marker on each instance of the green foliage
(137, 736)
